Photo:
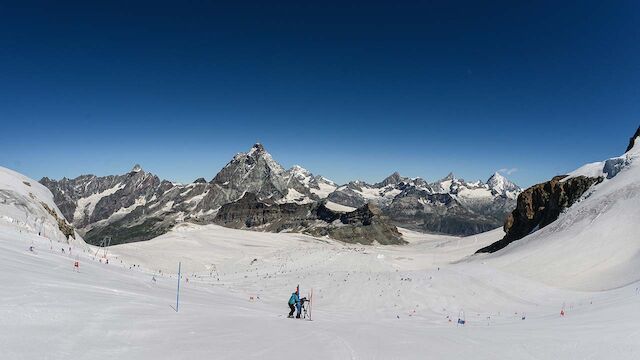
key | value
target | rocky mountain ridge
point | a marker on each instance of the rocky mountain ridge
(450, 205)
(139, 206)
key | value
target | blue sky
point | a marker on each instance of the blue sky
(350, 91)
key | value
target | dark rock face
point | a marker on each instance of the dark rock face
(364, 225)
(392, 179)
(63, 226)
(540, 205)
(632, 141)
(250, 212)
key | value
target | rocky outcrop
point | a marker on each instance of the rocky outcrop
(63, 226)
(540, 205)
(632, 140)
(365, 225)
(250, 212)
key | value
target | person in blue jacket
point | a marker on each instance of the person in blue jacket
(294, 302)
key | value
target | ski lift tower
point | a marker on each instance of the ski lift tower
(104, 244)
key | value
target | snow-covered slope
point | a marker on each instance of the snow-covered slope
(318, 185)
(369, 302)
(595, 243)
(28, 206)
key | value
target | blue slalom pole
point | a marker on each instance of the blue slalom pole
(178, 294)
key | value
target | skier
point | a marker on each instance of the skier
(294, 301)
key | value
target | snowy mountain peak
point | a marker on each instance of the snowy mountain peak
(257, 149)
(136, 168)
(322, 179)
(298, 170)
(449, 177)
(502, 185)
(496, 177)
(392, 179)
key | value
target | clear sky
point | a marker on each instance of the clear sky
(348, 90)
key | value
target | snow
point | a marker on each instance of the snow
(337, 207)
(325, 189)
(475, 193)
(196, 199)
(301, 174)
(123, 211)
(608, 168)
(306, 178)
(168, 206)
(294, 196)
(21, 206)
(87, 204)
(446, 185)
(370, 302)
(16, 182)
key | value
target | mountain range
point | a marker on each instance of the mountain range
(138, 205)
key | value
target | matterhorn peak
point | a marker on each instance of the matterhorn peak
(136, 168)
(257, 148)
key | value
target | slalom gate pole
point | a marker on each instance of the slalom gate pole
(310, 303)
(178, 293)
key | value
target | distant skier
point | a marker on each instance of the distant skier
(294, 301)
